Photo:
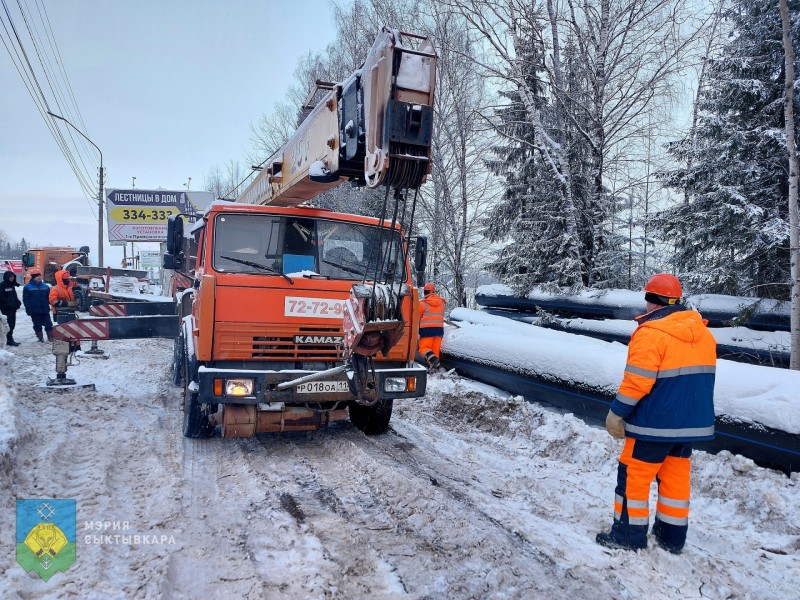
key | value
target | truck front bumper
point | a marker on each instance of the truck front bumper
(225, 386)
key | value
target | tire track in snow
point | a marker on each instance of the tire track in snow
(377, 517)
(211, 563)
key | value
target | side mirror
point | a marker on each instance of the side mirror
(174, 234)
(172, 261)
(420, 253)
(168, 261)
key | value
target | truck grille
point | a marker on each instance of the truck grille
(263, 341)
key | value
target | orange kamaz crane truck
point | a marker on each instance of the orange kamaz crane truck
(292, 317)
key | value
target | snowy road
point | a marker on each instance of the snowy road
(471, 494)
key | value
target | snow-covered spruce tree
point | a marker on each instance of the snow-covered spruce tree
(530, 217)
(731, 235)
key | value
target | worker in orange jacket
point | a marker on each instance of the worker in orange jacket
(61, 295)
(431, 325)
(664, 403)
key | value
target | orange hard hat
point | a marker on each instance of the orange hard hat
(429, 287)
(34, 271)
(665, 285)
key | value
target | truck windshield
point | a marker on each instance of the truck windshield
(295, 246)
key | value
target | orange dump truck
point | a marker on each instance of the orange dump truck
(49, 259)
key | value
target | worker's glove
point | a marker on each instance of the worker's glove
(615, 425)
(72, 303)
(60, 303)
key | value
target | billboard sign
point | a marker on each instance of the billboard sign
(150, 261)
(141, 215)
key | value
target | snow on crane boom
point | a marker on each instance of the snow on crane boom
(373, 128)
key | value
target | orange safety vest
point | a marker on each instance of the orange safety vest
(431, 322)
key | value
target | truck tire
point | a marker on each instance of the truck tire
(177, 361)
(372, 420)
(195, 418)
(82, 296)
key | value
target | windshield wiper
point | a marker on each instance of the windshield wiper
(266, 268)
(342, 267)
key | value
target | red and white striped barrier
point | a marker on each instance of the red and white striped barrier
(109, 310)
(73, 331)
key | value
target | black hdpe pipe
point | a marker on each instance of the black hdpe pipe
(566, 307)
(767, 447)
(743, 354)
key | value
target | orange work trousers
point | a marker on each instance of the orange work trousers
(434, 344)
(640, 462)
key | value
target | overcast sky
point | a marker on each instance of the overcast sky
(167, 90)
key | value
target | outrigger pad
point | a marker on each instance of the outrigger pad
(66, 385)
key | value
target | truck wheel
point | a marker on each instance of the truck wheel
(83, 299)
(177, 361)
(195, 419)
(372, 420)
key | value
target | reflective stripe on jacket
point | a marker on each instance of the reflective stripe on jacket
(667, 392)
(431, 322)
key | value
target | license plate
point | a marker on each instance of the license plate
(322, 387)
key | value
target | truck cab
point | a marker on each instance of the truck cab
(49, 259)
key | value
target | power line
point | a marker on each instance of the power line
(34, 88)
(66, 108)
(60, 61)
(18, 64)
(46, 71)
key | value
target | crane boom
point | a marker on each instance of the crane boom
(374, 128)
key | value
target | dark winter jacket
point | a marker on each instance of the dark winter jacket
(35, 296)
(9, 301)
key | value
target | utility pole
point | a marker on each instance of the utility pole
(100, 215)
(99, 191)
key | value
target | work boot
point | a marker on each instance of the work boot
(50, 335)
(669, 548)
(433, 361)
(10, 340)
(669, 537)
(605, 539)
(39, 336)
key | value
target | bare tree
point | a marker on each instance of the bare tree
(505, 27)
(629, 53)
(225, 183)
(794, 234)
(460, 190)
(632, 51)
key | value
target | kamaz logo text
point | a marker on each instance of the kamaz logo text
(318, 339)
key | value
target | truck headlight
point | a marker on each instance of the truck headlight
(395, 384)
(239, 387)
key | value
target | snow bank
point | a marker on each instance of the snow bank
(8, 412)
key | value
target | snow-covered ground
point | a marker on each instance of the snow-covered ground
(473, 493)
